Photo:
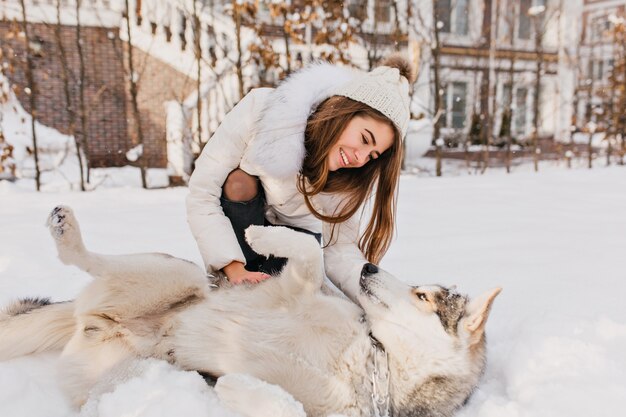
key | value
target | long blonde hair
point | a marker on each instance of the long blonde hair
(323, 129)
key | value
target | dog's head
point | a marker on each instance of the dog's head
(435, 339)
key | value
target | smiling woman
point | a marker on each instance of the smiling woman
(315, 148)
(348, 143)
(357, 145)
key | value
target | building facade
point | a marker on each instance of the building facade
(109, 127)
(496, 54)
(193, 63)
(598, 53)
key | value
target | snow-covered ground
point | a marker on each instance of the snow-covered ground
(555, 241)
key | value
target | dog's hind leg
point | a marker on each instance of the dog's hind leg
(94, 350)
(305, 262)
(147, 268)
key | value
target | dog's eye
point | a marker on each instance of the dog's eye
(422, 296)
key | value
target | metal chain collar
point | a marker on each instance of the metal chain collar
(380, 379)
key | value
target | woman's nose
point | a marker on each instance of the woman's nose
(360, 156)
(364, 156)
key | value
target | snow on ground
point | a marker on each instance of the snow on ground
(554, 241)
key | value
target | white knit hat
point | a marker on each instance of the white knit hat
(385, 90)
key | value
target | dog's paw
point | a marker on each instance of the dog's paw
(254, 233)
(281, 241)
(268, 240)
(62, 223)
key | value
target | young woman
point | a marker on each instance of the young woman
(306, 155)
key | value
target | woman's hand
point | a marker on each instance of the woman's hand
(238, 274)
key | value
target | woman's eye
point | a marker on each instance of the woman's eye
(364, 139)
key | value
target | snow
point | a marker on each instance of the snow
(157, 389)
(135, 153)
(554, 241)
(16, 124)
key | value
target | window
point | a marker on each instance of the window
(610, 64)
(506, 95)
(599, 69)
(383, 11)
(442, 11)
(444, 110)
(454, 114)
(460, 17)
(264, 8)
(599, 25)
(508, 20)
(523, 30)
(458, 104)
(453, 16)
(357, 9)
(529, 24)
(520, 110)
(541, 15)
(596, 69)
(183, 29)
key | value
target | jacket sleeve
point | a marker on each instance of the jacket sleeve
(223, 153)
(343, 260)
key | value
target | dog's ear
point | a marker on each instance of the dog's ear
(476, 314)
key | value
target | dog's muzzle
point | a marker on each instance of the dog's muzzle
(369, 282)
(369, 269)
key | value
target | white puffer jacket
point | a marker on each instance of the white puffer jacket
(264, 136)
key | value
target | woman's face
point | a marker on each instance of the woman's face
(362, 140)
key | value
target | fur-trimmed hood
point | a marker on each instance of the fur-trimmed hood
(278, 147)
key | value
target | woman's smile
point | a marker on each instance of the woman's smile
(345, 160)
(362, 140)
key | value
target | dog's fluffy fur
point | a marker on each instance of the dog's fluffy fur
(285, 331)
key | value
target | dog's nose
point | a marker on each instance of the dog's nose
(369, 269)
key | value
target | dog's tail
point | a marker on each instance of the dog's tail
(35, 325)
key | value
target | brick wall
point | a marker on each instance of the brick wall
(158, 83)
(109, 126)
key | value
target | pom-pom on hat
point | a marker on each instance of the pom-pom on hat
(386, 89)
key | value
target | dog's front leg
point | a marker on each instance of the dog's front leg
(251, 397)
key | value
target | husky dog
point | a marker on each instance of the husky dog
(407, 351)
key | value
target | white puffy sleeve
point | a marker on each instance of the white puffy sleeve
(222, 154)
